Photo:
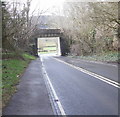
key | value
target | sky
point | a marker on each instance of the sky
(51, 6)
(48, 7)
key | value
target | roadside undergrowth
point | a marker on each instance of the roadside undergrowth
(104, 57)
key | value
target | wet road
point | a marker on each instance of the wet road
(80, 93)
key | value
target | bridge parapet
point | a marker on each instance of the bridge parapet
(49, 33)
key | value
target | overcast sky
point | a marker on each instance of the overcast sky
(48, 6)
(51, 6)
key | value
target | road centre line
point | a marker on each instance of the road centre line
(104, 79)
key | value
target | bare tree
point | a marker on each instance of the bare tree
(18, 25)
(91, 28)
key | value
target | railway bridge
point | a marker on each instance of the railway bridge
(49, 41)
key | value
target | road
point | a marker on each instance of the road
(80, 93)
(107, 70)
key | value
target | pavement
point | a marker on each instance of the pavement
(32, 96)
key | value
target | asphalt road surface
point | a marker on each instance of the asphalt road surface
(107, 70)
(80, 93)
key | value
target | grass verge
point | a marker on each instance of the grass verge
(104, 57)
(12, 69)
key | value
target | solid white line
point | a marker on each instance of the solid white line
(53, 90)
(56, 97)
(107, 80)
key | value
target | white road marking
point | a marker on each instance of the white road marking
(52, 90)
(104, 79)
(56, 97)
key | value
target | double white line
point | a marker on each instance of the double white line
(104, 79)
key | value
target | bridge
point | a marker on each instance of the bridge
(49, 41)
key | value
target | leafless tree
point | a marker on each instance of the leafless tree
(90, 27)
